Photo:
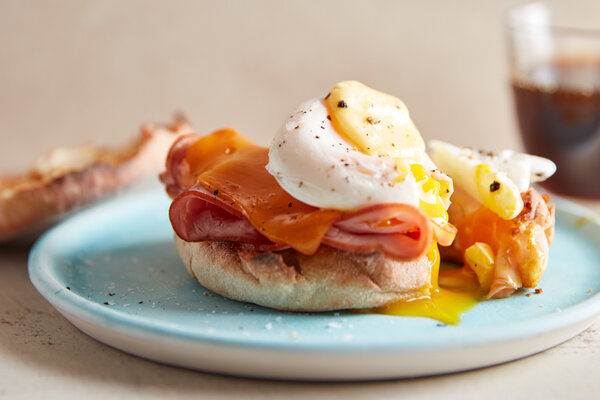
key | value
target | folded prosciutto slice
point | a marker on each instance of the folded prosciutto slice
(520, 245)
(223, 192)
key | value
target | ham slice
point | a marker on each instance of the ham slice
(176, 165)
(197, 215)
(223, 192)
(398, 230)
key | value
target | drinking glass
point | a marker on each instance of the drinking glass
(555, 74)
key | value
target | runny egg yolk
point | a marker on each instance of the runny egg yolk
(379, 124)
(434, 194)
(452, 292)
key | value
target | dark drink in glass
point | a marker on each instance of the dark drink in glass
(558, 109)
(556, 87)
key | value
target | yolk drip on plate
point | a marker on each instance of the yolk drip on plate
(379, 124)
(452, 292)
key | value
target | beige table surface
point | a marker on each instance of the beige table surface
(85, 71)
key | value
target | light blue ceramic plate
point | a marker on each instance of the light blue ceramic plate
(114, 273)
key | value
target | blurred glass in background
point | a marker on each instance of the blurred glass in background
(555, 72)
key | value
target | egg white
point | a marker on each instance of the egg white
(459, 162)
(316, 165)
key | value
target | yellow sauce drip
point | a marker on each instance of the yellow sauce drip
(452, 292)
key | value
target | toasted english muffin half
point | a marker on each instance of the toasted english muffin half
(330, 279)
(65, 179)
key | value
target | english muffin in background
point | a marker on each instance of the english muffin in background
(68, 178)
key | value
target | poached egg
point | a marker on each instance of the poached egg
(358, 147)
(494, 179)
